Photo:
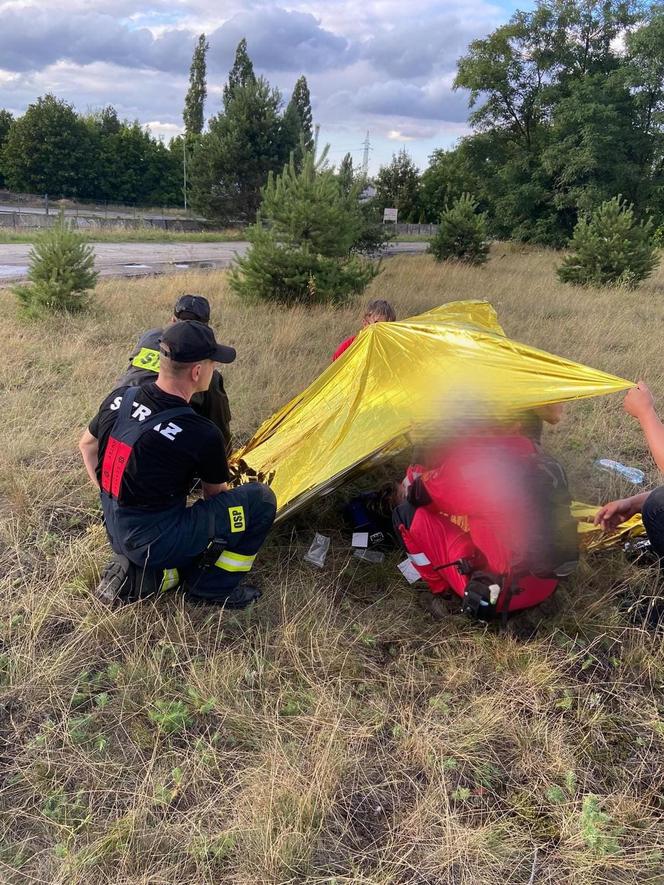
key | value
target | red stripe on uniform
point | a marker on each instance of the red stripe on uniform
(116, 458)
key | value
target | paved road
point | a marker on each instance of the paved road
(136, 259)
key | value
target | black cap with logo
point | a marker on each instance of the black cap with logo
(191, 341)
(192, 307)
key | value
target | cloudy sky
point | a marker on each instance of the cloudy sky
(385, 66)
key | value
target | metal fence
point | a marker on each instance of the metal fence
(48, 204)
(23, 220)
(418, 230)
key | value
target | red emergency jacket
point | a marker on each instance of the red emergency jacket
(476, 509)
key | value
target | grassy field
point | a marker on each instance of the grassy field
(133, 235)
(335, 734)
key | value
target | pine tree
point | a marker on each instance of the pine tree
(242, 72)
(291, 134)
(297, 126)
(60, 274)
(346, 174)
(461, 233)
(610, 249)
(194, 103)
(231, 164)
(301, 246)
(301, 107)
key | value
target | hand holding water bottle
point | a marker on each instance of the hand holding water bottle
(639, 401)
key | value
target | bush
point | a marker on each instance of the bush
(274, 271)
(303, 244)
(462, 233)
(610, 249)
(60, 274)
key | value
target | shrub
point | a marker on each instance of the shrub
(598, 831)
(302, 246)
(610, 249)
(170, 716)
(462, 233)
(274, 272)
(60, 274)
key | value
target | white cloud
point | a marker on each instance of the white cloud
(374, 65)
(164, 130)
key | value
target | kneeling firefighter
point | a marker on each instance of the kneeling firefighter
(492, 524)
(144, 449)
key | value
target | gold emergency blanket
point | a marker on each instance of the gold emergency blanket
(591, 537)
(398, 381)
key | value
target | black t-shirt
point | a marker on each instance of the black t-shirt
(165, 462)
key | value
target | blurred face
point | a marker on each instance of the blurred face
(371, 318)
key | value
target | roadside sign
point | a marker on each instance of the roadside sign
(390, 215)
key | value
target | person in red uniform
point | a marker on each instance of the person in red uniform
(378, 311)
(491, 523)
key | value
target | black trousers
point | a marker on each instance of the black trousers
(653, 520)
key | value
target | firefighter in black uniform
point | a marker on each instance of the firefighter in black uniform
(144, 366)
(143, 449)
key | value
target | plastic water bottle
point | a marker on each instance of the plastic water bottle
(631, 474)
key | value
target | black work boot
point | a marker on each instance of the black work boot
(114, 581)
(240, 597)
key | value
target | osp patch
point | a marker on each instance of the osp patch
(237, 520)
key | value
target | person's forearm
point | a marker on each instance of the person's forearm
(91, 468)
(638, 501)
(654, 433)
(90, 455)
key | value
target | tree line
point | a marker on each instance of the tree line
(53, 149)
(567, 111)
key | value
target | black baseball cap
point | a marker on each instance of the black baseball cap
(192, 307)
(191, 341)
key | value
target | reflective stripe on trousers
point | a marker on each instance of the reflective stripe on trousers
(235, 562)
(170, 579)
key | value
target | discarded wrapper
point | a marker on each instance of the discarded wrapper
(374, 556)
(409, 571)
(360, 539)
(318, 551)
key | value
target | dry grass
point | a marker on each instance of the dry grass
(133, 235)
(334, 734)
